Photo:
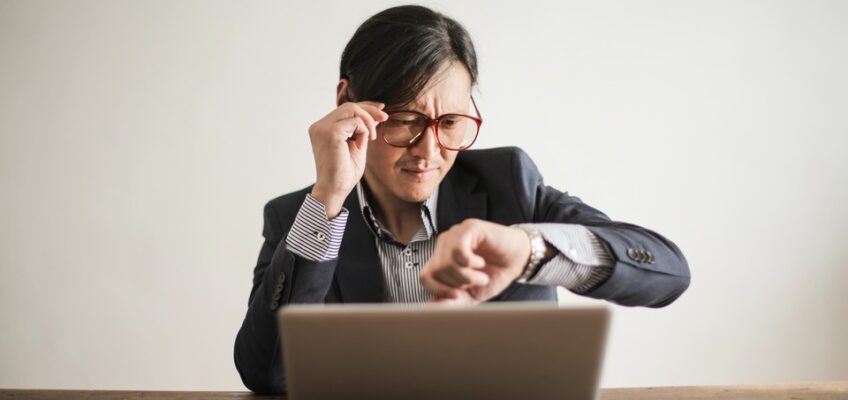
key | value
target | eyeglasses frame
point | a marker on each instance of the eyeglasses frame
(434, 123)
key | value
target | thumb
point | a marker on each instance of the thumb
(465, 253)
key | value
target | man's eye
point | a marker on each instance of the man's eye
(449, 122)
(404, 118)
(399, 122)
(403, 122)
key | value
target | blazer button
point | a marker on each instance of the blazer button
(633, 254)
(276, 297)
(274, 305)
(281, 278)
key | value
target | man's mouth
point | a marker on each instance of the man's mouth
(420, 169)
(420, 173)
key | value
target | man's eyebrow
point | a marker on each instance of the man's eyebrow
(416, 108)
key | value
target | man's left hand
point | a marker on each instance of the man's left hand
(475, 261)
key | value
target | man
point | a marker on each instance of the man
(402, 212)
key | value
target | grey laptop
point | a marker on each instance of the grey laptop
(492, 351)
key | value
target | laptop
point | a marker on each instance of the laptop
(492, 351)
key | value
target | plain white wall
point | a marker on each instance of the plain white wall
(140, 140)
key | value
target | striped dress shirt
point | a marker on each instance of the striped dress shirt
(580, 264)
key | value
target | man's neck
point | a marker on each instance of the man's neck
(401, 218)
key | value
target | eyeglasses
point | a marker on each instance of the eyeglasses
(455, 132)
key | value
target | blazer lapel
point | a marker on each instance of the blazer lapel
(457, 199)
(358, 271)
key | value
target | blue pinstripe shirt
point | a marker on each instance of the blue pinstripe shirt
(581, 263)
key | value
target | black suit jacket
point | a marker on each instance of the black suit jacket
(500, 185)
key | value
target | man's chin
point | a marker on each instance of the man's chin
(416, 194)
(415, 198)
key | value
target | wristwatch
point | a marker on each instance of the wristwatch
(537, 251)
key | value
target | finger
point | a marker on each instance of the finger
(375, 109)
(443, 300)
(447, 277)
(462, 278)
(375, 104)
(348, 110)
(436, 287)
(369, 120)
(353, 127)
(463, 254)
(472, 277)
(358, 143)
(379, 117)
(460, 300)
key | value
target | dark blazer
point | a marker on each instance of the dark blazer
(500, 185)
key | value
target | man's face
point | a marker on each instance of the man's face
(412, 174)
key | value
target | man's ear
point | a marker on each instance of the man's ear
(341, 92)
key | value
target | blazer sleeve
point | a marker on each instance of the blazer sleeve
(649, 270)
(281, 277)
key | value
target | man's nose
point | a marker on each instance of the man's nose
(427, 146)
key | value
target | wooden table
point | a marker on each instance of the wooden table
(804, 391)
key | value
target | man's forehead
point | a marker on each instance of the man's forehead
(449, 101)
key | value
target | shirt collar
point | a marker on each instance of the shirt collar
(428, 214)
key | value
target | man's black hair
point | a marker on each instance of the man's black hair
(394, 54)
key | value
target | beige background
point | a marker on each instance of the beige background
(140, 140)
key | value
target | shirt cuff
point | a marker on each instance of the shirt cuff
(582, 261)
(313, 236)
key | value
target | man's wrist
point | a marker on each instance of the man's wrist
(539, 252)
(332, 204)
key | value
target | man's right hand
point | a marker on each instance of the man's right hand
(339, 143)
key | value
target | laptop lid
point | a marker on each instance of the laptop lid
(492, 351)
